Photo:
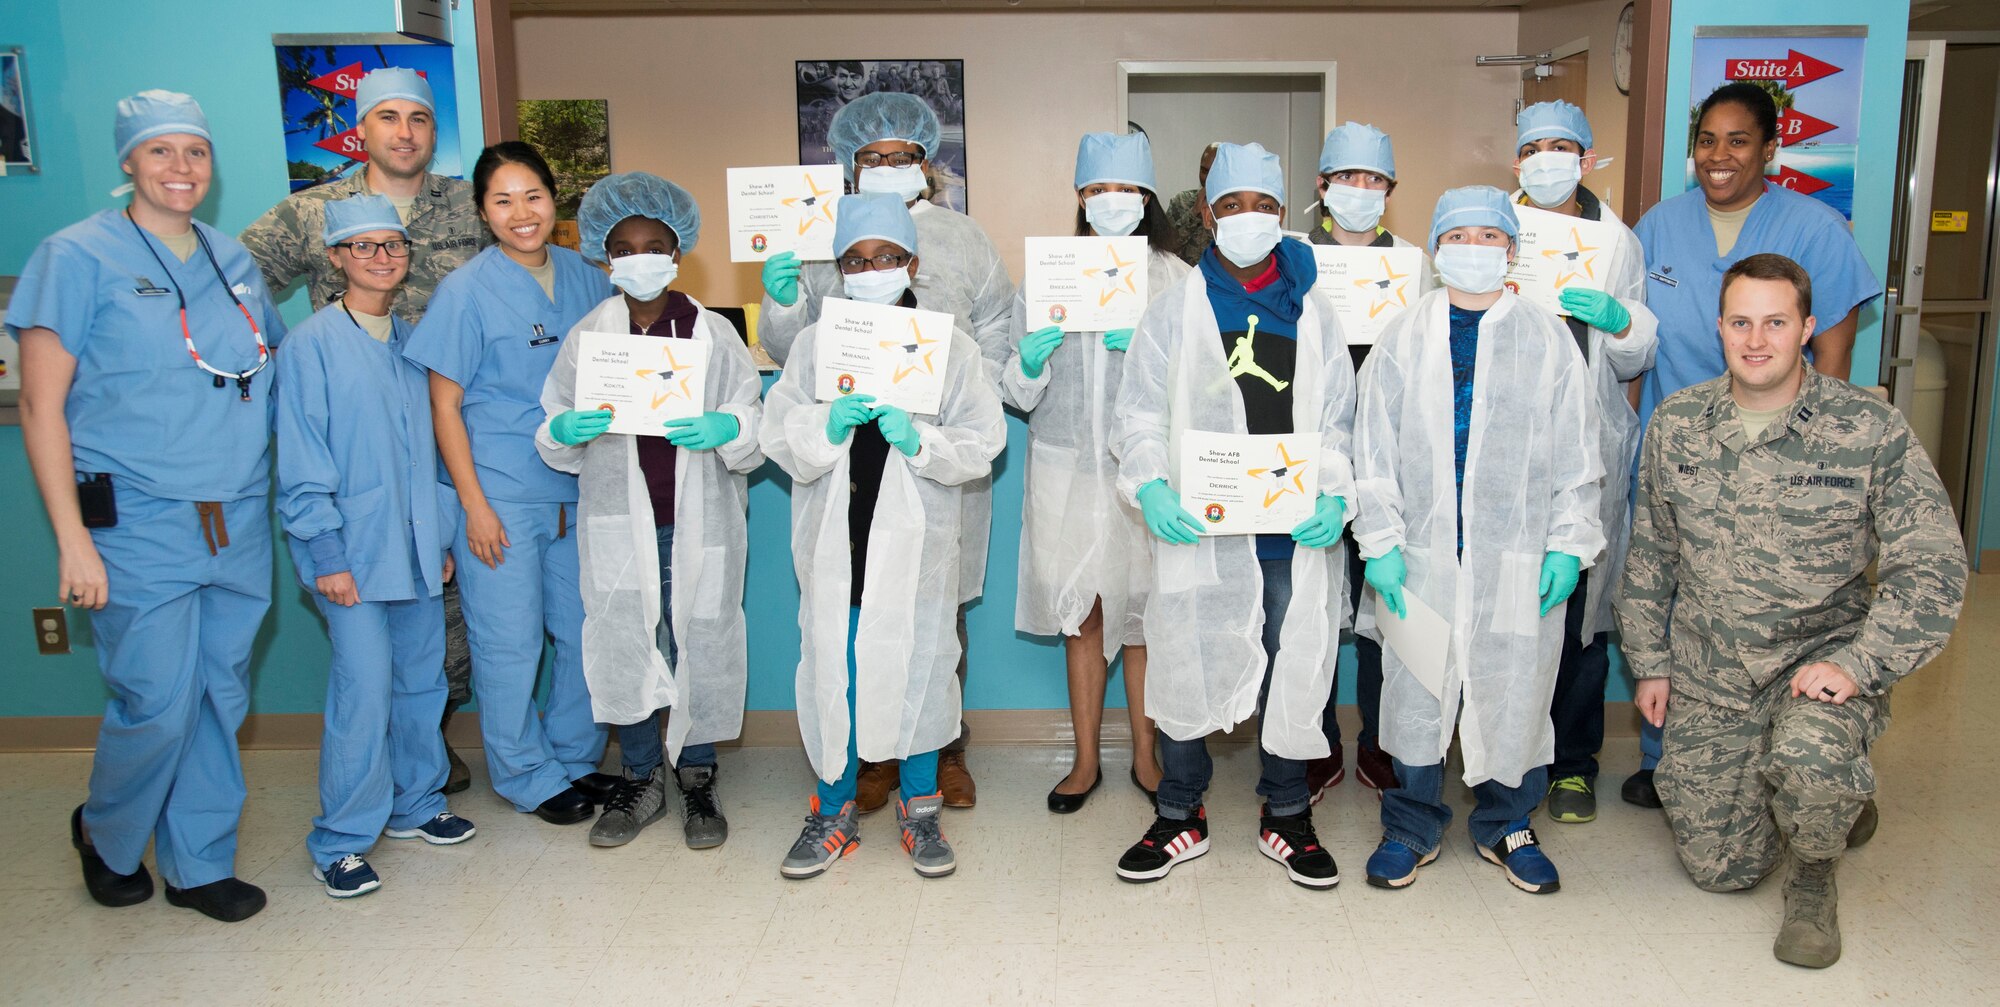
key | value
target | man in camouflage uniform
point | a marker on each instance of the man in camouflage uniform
(1763, 497)
(398, 131)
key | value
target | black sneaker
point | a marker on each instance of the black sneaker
(1291, 841)
(1639, 790)
(1169, 842)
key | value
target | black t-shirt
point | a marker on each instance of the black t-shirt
(867, 453)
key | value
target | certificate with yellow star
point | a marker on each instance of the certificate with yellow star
(1086, 284)
(1556, 252)
(643, 380)
(1249, 484)
(1369, 285)
(789, 208)
(896, 354)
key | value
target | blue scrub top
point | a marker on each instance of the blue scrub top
(1684, 276)
(139, 408)
(356, 460)
(490, 328)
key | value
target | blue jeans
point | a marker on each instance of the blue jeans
(639, 746)
(1185, 765)
(1367, 668)
(1414, 812)
(1577, 708)
(919, 772)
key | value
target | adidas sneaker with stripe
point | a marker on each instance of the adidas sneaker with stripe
(1168, 842)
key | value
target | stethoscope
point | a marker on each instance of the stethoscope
(222, 378)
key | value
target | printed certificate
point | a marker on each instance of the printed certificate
(1368, 286)
(644, 380)
(1245, 484)
(896, 354)
(1556, 251)
(1086, 284)
(783, 209)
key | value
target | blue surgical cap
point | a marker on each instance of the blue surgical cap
(879, 215)
(1473, 206)
(1245, 168)
(354, 215)
(1552, 119)
(156, 113)
(1354, 145)
(884, 115)
(635, 194)
(389, 83)
(1109, 157)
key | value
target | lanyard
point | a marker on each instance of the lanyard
(242, 378)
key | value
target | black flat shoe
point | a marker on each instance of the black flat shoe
(598, 787)
(1151, 795)
(568, 807)
(1639, 790)
(228, 900)
(1063, 804)
(107, 886)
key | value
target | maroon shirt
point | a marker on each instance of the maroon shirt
(657, 454)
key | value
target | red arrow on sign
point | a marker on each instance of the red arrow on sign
(1798, 181)
(346, 143)
(1795, 126)
(1796, 70)
(341, 82)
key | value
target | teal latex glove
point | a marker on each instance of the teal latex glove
(781, 278)
(846, 413)
(1165, 517)
(702, 433)
(894, 423)
(1385, 574)
(579, 426)
(1118, 339)
(1323, 528)
(1596, 309)
(1036, 347)
(1559, 572)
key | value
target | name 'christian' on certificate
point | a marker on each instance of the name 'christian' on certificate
(784, 209)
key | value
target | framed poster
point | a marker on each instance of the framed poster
(317, 75)
(824, 85)
(574, 135)
(1814, 75)
(17, 147)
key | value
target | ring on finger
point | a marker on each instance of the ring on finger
(1826, 691)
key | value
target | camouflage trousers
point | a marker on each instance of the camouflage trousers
(1740, 786)
(457, 653)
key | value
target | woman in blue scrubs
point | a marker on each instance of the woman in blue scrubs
(488, 338)
(145, 338)
(1693, 238)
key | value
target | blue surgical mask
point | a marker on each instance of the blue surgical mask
(644, 275)
(907, 181)
(876, 286)
(1247, 238)
(1550, 177)
(1114, 214)
(1354, 208)
(1473, 269)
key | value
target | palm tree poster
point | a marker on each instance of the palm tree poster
(1814, 75)
(317, 75)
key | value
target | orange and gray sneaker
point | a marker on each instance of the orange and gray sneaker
(825, 839)
(923, 836)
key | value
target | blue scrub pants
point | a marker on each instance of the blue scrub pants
(381, 760)
(919, 772)
(639, 746)
(508, 610)
(173, 643)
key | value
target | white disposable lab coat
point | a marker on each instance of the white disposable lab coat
(1531, 477)
(1081, 542)
(618, 548)
(1205, 618)
(906, 647)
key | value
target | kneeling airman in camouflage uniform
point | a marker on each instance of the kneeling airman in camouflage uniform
(1763, 497)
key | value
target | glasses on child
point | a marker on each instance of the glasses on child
(851, 264)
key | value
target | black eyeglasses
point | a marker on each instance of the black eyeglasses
(874, 159)
(851, 264)
(397, 249)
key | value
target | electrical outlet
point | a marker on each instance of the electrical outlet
(52, 630)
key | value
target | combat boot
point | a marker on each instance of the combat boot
(1811, 934)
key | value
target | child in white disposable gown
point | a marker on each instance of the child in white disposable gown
(1086, 560)
(876, 513)
(1476, 463)
(659, 510)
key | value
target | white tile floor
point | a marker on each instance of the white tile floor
(529, 913)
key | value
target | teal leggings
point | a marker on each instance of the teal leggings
(919, 775)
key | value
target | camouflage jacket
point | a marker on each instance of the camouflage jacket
(445, 230)
(1750, 558)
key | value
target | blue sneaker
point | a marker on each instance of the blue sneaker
(1520, 854)
(444, 830)
(1394, 865)
(348, 877)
